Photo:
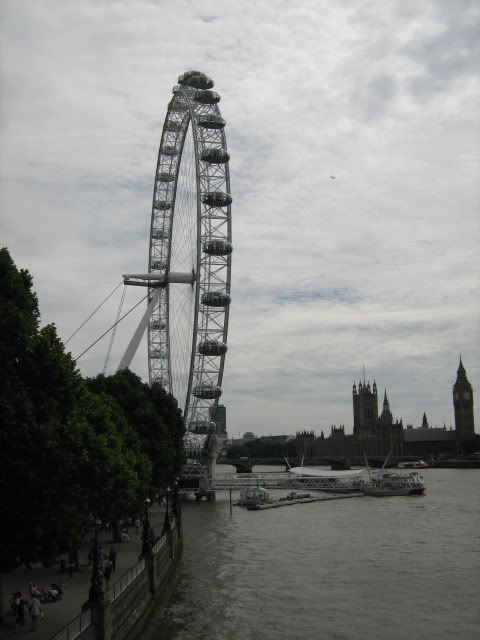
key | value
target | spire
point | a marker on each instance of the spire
(424, 421)
(385, 401)
(461, 373)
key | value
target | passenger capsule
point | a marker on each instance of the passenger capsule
(200, 81)
(162, 205)
(217, 247)
(173, 126)
(183, 79)
(158, 325)
(207, 391)
(165, 177)
(215, 156)
(169, 150)
(207, 97)
(159, 352)
(212, 348)
(160, 234)
(210, 121)
(217, 199)
(215, 299)
(158, 265)
(202, 426)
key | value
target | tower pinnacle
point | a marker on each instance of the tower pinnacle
(385, 401)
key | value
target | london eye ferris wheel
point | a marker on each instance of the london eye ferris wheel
(189, 258)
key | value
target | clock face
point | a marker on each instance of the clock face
(457, 395)
(466, 395)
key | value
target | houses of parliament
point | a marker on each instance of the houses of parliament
(376, 435)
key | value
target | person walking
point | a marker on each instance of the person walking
(112, 556)
(35, 611)
(21, 611)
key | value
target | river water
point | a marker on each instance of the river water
(363, 568)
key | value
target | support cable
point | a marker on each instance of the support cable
(110, 328)
(112, 337)
(92, 314)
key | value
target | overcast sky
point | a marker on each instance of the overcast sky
(378, 267)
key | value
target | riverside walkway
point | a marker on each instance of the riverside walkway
(75, 591)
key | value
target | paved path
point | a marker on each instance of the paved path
(75, 590)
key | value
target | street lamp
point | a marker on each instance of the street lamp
(146, 535)
(175, 498)
(166, 523)
(96, 593)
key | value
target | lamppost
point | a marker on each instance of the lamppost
(146, 535)
(166, 523)
(96, 592)
(175, 498)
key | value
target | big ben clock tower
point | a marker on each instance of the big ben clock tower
(463, 406)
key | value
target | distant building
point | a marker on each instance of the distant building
(365, 407)
(239, 442)
(463, 408)
(428, 441)
(377, 435)
(219, 416)
(305, 440)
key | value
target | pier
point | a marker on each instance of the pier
(287, 503)
(201, 481)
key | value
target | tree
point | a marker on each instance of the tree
(156, 419)
(118, 470)
(70, 449)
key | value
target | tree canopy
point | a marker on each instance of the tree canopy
(71, 449)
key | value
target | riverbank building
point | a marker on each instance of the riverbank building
(377, 434)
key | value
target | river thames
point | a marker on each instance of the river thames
(397, 568)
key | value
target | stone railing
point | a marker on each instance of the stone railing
(76, 627)
(129, 600)
(159, 544)
(125, 581)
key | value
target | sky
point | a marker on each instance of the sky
(378, 267)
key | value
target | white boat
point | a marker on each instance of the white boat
(417, 464)
(391, 483)
(387, 483)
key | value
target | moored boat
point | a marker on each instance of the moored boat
(416, 464)
(386, 483)
(391, 483)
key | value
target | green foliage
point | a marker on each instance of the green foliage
(154, 416)
(71, 450)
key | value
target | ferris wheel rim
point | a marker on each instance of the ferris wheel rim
(207, 207)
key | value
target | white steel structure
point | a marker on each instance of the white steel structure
(189, 259)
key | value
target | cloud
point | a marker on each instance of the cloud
(378, 267)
